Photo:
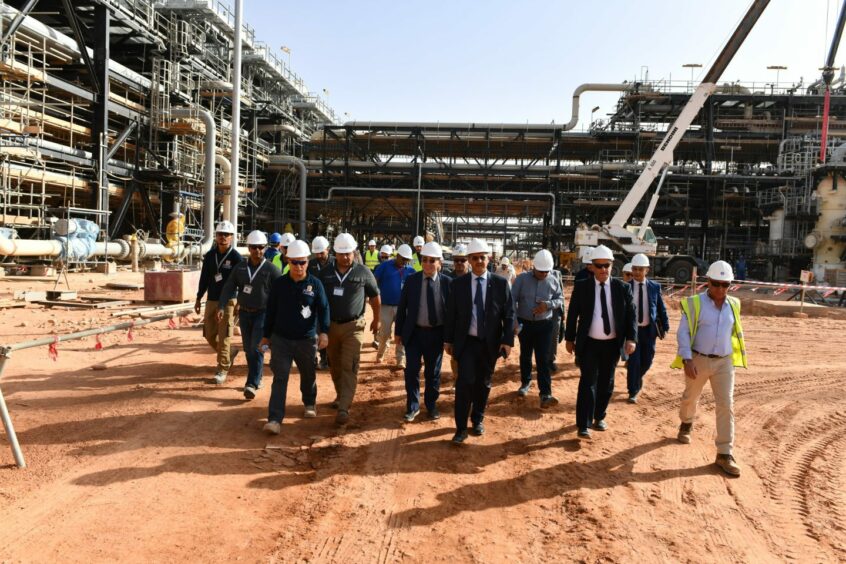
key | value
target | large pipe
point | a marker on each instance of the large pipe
(226, 168)
(236, 115)
(301, 168)
(281, 128)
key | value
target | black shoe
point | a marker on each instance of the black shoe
(632, 399)
(324, 365)
(600, 425)
(434, 414)
(554, 368)
(334, 404)
(409, 416)
(548, 401)
(584, 433)
(478, 429)
(523, 391)
(459, 437)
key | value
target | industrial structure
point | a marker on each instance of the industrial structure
(109, 108)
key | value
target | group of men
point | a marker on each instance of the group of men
(307, 302)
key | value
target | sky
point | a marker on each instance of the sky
(507, 61)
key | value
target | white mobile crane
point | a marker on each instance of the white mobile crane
(627, 240)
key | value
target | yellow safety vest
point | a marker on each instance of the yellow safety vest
(415, 263)
(277, 260)
(738, 355)
(371, 260)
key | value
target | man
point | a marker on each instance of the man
(587, 271)
(217, 266)
(478, 328)
(320, 261)
(420, 328)
(557, 334)
(296, 327)
(652, 322)
(385, 253)
(391, 276)
(273, 248)
(371, 255)
(711, 354)
(459, 261)
(536, 295)
(418, 246)
(251, 280)
(627, 272)
(346, 286)
(600, 322)
(506, 270)
(279, 260)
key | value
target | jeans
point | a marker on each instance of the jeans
(535, 338)
(284, 352)
(427, 344)
(252, 329)
(597, 365)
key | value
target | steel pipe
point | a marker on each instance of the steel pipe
(301, 167)
(236, 115)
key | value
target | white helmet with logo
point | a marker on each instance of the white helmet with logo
(418, 241)
(345, 243)
(478, 246)
(460, 250)
(257, 238)
(601, 253)
(386, 250)
(543, 261)
(225, 227)
(371, 243)
(287, 239)
(720, 271)
(298, 249)
(640, 259)
(405, 251)
(432, 249)
(319, 244)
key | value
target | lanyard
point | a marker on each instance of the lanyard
(219, 262)
(338, 276)
(252, 275)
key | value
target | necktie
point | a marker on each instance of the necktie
(430, 302)
(640, 304)
(606, 321)
(479, 303)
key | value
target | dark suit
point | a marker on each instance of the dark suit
(596, 358)
(656, 315)
(421, 342)
(477, 355)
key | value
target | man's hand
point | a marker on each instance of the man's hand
(265, 342)
(630, 347)
(570, 346)
(322, 341)
(448, 348)
(219, 315)
(506, 349)
(540, 308)
(398, 340)
(374, 327)
(197, 305)
(690, 369)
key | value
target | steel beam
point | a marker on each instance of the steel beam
(16, 23)
(76, 27)
(120, 139)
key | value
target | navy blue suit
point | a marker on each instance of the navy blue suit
(426, 343)
(655, 314)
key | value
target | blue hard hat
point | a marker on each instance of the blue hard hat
(275, 239)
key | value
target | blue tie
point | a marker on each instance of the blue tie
(640, 304)
(430, 302)
(479, 303)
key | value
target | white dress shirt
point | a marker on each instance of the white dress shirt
(716, 327)
(597, 331)
(641, 287)
(473, 285)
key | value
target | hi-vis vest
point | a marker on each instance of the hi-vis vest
(371, 259)
(277, 260)
(738, 354)
(415, 262)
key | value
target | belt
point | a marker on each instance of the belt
(342, 321)
(524, 321)
(430, 328)
(251, 309)
(473, 338)
(710, 355)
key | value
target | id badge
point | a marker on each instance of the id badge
(218, 277)
(338, 291)
(248, 289)
(305, 312)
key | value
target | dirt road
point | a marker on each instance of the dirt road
(147, 461)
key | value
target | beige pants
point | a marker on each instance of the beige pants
(720, 371)
(387, 315)
(344, 350)
(219, 334)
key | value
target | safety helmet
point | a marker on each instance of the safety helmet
(478, 246)
(225, 227)
(371, 243)
(287, 239)
(586, 252)
(319, 244)
(386, 250)
(601, 253)
(504, 261)
(640, 259)
(275, 238)
(256, 238)
(720, 271)
(543, 261)
(418, 241)
(432, 249)
(460, 250)
(345, 243)
(627, 267)
(405, 252)
(298, 249)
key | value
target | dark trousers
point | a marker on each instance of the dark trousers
(641, 360)
(553, 343)
(475, 370)
(597, 363)
(284, 352)
(535, 338)
(428, 345)
(252, 330)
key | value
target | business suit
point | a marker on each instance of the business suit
(477, 355)
(420, 341)
(597, 358)
(654, 322)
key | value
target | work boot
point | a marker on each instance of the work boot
(727, 464)
(548, 401)
(342, 418)
(220, 377)
(273, 427)
(684, 433)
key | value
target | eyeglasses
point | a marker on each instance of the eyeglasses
(716, 284)
(459, 261)
(603, 266)
(479, 258)
(255, 247)
(428, 260)
(297, 262)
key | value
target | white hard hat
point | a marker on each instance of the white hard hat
(225, 227)
(505, 261)
(176, 214)
(460, 250)
(257, 238)
(418, 241)
(345, 243)
(432, 249)
(287, 239)
(371, 242)
(586, 254)
(405, 251)
(543, 261)
(319, 244)
(720, 271)
(386, 249)
(601, 253)
(627, 267)
(478, 246)
(298, 249)
(640, 259)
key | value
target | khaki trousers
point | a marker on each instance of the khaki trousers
(720, 372)
(387, 315)
(219, 334)
(345, 340)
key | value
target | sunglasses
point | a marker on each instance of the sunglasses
(255, 247)
(223, 234)
(603, 266)
(460, 261)
(297, 262)
(479, 258)
(428, 260)
(720, 284)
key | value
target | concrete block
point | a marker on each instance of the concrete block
(42, 270)
(106, 268)
(30, 295)
(171, 286)
(59, 295)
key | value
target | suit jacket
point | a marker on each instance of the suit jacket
(409, 303)
(580, 312)
(657, 311)
(499, 315)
